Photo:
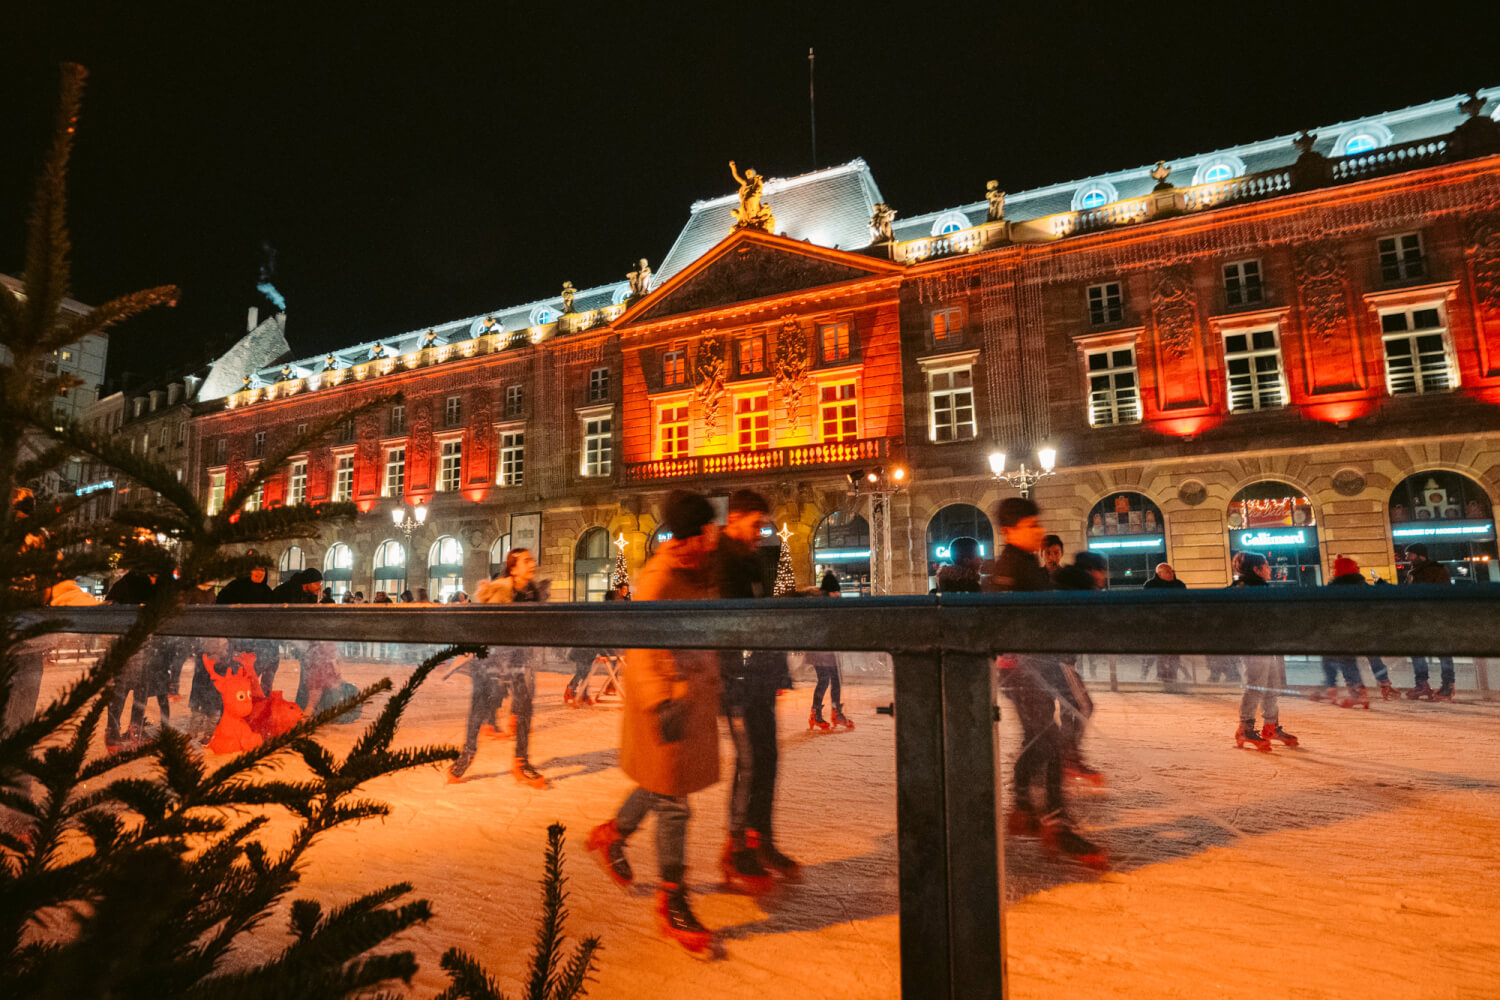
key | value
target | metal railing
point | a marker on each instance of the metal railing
(949, 848)
(791, 457)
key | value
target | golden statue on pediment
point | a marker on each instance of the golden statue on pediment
(753, 213)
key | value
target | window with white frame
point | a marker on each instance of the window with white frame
(453, 411)
(750, 353)
(394, 484)
(296, 487)
(946, 326)
(257, 496)
(1242, 283)
(450, 466)
(674, 368)
(343, 479)
(1252, 370)
(598, 385)
(301, 431)
(950, 399)
(257, 444)
(515, 400)
(838, 411)
(1105, 303)
(1114, 388)
(834, 342)
(752, 422)
(181, 433)
(598, 446)
(512, 471)
(1094, 195)
(215, 492)
(1418, 356)
(1401, 257)
(672, 426)
(398, 419)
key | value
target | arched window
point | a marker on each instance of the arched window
(950, 222)
(1128, 531)
(957, 520)
(1361, 139)
(338, 568)
(1451, 515)
(592, 563)
(445, 568)
(293, 560)
(1359, 144)
(842, 545)
(621, 293)
(1094, 195)
(498, 552)
(542, 315)
(1277, 520)
(390, 567)
(1219, 168)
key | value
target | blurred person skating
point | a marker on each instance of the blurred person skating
(1167, 664)
(1220, 666)
(1034, 685)
(253, 589)
(750, 682)
(577, 692)
(825, 664)
(505, 670)
(669, 734)
(962, 575)
(1265, 676)
(135, 587)
(1423, 570)
(1346, 573)
(1089, 571)
(303, 587)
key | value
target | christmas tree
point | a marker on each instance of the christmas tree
(786, 580)
(622, 572)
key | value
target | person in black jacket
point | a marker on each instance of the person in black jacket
(252, 589)
(1346, 573)
(135, 587)
(1424, 570)
(962, 575)
(1265, 676)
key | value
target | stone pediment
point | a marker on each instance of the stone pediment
(751, 266)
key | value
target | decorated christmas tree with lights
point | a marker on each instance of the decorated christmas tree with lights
(622, 572)
(786, 580)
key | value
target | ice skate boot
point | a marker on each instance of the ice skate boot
(742, 869)
(1359, 697)
(1444, 693)
(1422, 692)
(1247, 734)
(1270, 732)
(605, 840)
(815, 720)
(1388, 691)
(1022, 821)
(1079, 772)
(675, 918)
(1061, 840)
(1330, 695)
(840, 719)
(570, 699)
(771, 859)
(459, 767)
(522, 771)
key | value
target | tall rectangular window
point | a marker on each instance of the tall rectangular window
(515, 400)
(215, 492)
(450, 466)
(834, 342)
(950, 400)
(672, 431)
(512, 458)
(181, 433)
(395, 473)
(343, 479)
(453, 411)
(398, 419)
(751, 355)
(674, 368)
(1242, 283)
(258, 497)
(946, 326)
(1105, 303)
(221, 450)
(1401, 257)
(346, 431)
(838, 412)
(1114, 394)
(296, 487)
(752, 422)
(598, 446)
(257, 444)
(1252, 371)
(598, 385)
(1418, 357)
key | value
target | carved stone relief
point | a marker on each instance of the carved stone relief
(709, 373)
(1174, 308)
(1348, 482)
(1320, 279)
(790, 367)
(1192, 493)
(1484, 259)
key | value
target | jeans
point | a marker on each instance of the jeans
(1265, 676)
(1226, 667)
(519, 686)
(828, 676)
(751, 708)
(1348, 665)
(1077, 708)
(581, 676)
(1034, 686)
(1377, 667)
(1445, 664)
(485, 695)
(671, 828)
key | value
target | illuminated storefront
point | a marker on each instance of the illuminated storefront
(841, 545)
(1127, 529)
(1277, 520)
(1451, 515)
(957, 520)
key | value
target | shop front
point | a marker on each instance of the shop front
(1128, 531)
(841, 545)
(1451, 515)
(955, 521)
(1277, 520)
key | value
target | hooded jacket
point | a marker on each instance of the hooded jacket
(958, 578)
(291, 592)
(244, 591)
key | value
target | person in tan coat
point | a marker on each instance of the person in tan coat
(669, 740)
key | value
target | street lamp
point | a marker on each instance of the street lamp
(879, 484)
(403, 519)
(1023, 478)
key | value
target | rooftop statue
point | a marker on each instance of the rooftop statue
(880, 223)
(752, 213)
(568, 291)
(996, 198)
(640, 279)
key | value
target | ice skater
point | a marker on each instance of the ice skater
(825, 664)
(1265, 676)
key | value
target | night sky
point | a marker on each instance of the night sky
(417, 163)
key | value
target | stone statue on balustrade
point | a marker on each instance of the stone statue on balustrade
(880, 223)
(640, 279)
(996, 198)
(568, 291)
(753, 213)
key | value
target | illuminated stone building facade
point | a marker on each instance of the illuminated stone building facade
(1289, 347)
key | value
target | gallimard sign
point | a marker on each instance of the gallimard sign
(1273, 539)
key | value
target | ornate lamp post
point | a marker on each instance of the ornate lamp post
(1023, 478)
(879, 485)
(402, 517)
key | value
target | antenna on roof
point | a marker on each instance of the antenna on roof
(812, 107)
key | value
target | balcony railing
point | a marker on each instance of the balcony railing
(794, 457)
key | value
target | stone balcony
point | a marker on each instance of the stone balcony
(756, 462)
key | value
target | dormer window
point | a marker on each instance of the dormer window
(1359, 144)
(1094, 195)
(1215, 170)
(542, 315)
(950, 222)
(1362, 138)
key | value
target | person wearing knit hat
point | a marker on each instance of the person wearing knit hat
(1346, 573)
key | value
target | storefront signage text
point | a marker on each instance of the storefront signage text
(1266, 539)
(1152, 542)
(104, 484)
(942, 553)
(1472, 531)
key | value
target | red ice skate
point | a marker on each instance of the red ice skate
(1247, 734)
(1060, 840)
(1388, 691)
(605, 840)
(815, 720)
(522, 771)
(1270, 732)
(772, 859)
(675, 918)
(840, 719)
(1079, 772)
(1330, 695)
(1358, 697)
(743, 871)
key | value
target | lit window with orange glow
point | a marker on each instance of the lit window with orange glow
(947, 327)
(674, 368)
(394, 483)
(833, 342)
(296, 493)
(512, 471)
(672, 431)
(839, 412)
(215, 492)
(751, 352)
(752, 422)
(950, 404)
(1418, 353)
(450, 466)
(1114, 392)
(343, 479)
